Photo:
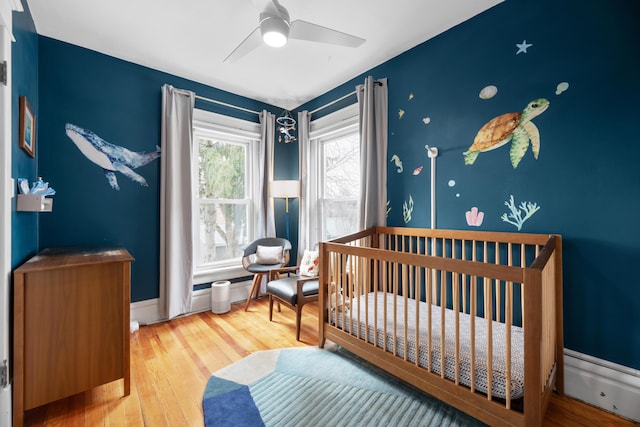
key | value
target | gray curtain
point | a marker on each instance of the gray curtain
(176, 198)
(304, 159)
(266, 226)
(373, 108)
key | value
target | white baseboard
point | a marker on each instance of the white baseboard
(606, 385)
(149, 311)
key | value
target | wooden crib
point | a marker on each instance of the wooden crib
(472, 318)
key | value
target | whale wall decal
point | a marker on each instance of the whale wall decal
(111, 158)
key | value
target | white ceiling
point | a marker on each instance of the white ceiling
(191, 38)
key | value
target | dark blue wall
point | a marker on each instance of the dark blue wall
(121, 103)
(24, 66)
(585, 179)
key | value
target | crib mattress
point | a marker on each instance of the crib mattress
(374, 304)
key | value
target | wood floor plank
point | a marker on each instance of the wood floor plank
(172, 361)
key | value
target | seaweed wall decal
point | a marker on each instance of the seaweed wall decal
(515, 217)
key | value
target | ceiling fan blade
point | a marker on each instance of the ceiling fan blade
(252, 41)
(303, 30)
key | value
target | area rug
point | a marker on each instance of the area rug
(318, 387)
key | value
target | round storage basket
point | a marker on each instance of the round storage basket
(220, 297)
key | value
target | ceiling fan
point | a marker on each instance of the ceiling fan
(276, 28)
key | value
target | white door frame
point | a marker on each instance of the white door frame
(6, 193)
(5, 220)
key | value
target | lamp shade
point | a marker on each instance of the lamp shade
(285, 189)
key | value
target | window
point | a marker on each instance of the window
(225, 158)
(335, 156)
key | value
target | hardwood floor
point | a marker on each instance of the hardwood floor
(172, 361)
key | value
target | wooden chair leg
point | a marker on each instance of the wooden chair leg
(298, 320)
(270, 308)
(255, 288)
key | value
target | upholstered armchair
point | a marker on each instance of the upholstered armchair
(260, 257)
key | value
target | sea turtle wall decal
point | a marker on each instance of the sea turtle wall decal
(515, 127)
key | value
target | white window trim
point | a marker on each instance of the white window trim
(233, 127)
(334, 122)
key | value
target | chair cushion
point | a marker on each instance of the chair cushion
(262, 268)
(309, 266)
(286, 288)
(269, 254)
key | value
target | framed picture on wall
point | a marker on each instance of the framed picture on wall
(27, 127)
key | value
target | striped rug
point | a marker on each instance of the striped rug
(315, 387)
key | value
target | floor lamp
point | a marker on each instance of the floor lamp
(285, 189)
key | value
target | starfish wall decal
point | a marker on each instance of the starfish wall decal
(522, 47)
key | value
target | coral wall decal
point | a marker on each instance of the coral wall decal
(515, 217)
(474, 217)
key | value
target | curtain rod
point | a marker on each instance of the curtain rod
(335, 101)
(184, 91)
(227, 105)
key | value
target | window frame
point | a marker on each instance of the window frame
(236, 131)
(335, 125)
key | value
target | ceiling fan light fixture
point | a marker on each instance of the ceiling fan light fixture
(274, 30)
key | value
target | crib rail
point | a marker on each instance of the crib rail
(499, 284)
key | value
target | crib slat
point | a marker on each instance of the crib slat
(464, 279)
(384, 305)
(417, 334)
(508, 323)
(472, 321)
(456, 305)
(523, 263)
(405, 290)
(498, 302)
(429, 291)
(488, 317)
(364, 264)
(443, 299)
(395, 309)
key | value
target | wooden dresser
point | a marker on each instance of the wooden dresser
(71, 325)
